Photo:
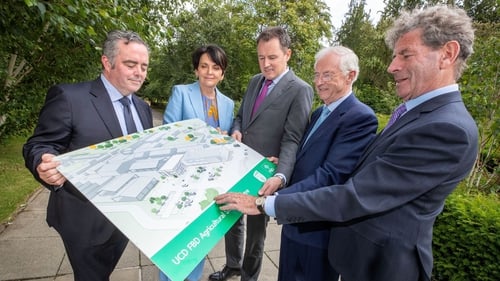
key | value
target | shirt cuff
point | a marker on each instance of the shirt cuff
(269, 206)
(281, 176)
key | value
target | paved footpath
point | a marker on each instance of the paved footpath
(30, 250)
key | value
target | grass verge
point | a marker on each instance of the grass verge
(16, 182)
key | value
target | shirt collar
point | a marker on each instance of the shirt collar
(113, 93)
(277, 79)
(336, 103)
(429, 95)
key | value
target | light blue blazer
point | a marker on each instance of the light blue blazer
(186, 103)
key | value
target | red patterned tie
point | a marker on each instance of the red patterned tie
(262, 95)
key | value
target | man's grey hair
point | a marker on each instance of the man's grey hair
(110, 48)
(439, 24)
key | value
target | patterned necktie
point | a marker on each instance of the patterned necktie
(262, 95)
(321, 118)
(129, 121)
(395, 115)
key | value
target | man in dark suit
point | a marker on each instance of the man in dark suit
(273, 127)
(328, 153)
(382, 217)
(78, 115)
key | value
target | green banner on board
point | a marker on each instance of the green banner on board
(181, 255)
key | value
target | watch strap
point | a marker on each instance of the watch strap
(259, 202)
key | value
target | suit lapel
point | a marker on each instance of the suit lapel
(409, 117)
(104, 107)
(275, 93)
(254, 90)
(143, 112)
(196, 100)
(381, 136)
(328, 125)
(223, 110)
(303, 148)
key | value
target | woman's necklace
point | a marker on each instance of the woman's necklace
(210, 110)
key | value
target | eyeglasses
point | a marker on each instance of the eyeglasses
(326, 76)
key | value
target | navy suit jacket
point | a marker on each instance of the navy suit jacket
(329, 157)
(76, 116)
(384, 214)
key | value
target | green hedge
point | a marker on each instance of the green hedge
(466, 243)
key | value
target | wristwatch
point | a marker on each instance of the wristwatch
(282, 178)
(259, 202)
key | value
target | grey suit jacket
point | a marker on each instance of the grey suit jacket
(383, 215)
(75, 116)
(277, 127)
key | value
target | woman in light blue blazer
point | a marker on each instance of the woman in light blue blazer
(204, 101)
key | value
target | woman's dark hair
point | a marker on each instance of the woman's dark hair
(215, 53)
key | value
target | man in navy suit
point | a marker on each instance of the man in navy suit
(327, 155)
(382, 217)
(76, 116)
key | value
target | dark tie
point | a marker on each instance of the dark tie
(129, 121)
(321, 118)
(262, 95)
(395, 115)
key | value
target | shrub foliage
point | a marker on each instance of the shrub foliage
(466, 244)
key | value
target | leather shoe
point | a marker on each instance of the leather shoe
(225, 273)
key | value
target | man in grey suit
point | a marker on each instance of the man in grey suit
(382, 217)
(78, 115)
(273, 127)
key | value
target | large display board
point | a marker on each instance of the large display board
(157, 187)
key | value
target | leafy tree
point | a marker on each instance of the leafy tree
(358, 33)
(43, 43)
(217, 23)
(482, 10)
(394, 7)
(481, 92)
(234, 25)
(479, 10)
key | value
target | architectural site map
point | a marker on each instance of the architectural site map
(157, 186)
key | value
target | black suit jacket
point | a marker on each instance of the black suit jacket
(384, 214)
(75, 116)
